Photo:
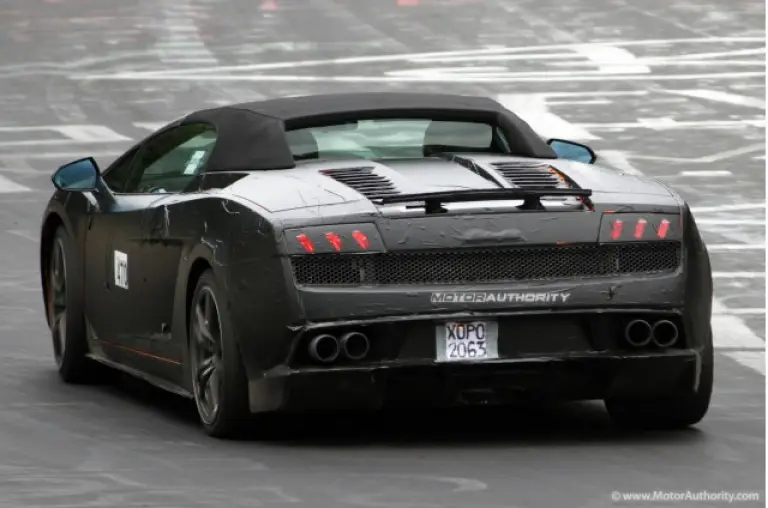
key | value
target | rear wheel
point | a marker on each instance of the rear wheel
(666, 413)
(66, 320)
(219, 383)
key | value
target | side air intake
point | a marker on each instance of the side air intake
(364, 181)
(531, 175)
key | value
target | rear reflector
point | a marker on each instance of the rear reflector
(306, 243)
(663, 228)
(616, 228)
(361, 239)
(640, 228)
(334, 240)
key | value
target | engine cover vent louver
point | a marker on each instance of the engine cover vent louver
(363, 180)
(530, 174)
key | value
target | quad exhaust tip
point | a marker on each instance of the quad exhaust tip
(355, 345)
(664, 333)
(324, 348)
(638, 333)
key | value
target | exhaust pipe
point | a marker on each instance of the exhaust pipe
(638, 333)
(355, 345)
(664, 333)
(324, 348)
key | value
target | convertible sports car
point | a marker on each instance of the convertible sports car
(365, 250)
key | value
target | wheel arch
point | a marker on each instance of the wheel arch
(198, 259)
(199, 266)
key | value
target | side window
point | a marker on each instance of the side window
(116, 176)
(169, 162)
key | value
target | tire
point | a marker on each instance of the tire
(670, 413)
(66, 318)
(219, 382)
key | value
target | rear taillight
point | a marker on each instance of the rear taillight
(332, 239)
(638, 227)
(306, 243)
(663, 229)
(361, 239)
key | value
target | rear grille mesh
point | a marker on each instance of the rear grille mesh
(528, 174)
(363, 180)
(487, 265)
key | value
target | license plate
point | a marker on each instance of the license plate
(459, 341)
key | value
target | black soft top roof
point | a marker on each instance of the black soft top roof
(251, 136)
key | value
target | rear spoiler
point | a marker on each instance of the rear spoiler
(530, 196)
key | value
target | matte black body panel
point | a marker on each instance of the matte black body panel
(321, 304)
(245, 226)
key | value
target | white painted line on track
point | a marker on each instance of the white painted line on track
(730, 222)
(730, 331)
(9, 186)
(593, 102)
(715, 157)
(65, 156)
(735, 340)
(720, 247)
(612, 59)
(48, 142)
(714, 54)
(188, 60)
(662, 124)
(713, 173)
(508, 77)
(718, 96)
(738, 275)
(21, 167)
(150, 126)
(747, 311)
(404, 57)
(755, 360)
(727, 208)
(23, 234)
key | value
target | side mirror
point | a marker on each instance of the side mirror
(78, 176)
(572, 151)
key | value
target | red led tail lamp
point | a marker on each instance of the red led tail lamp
(306, 243)
(334, 240)
(616, 227)
(361, 239)
(640, 228)
(663, 229)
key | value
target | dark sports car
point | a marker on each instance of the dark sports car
(365, 250)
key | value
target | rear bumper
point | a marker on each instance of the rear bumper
(660, 291)
(584, 376)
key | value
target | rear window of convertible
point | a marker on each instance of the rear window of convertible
(391, 138)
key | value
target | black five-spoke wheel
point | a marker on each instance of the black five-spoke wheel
(64, 307)
(57, 299)
(219, 382)
(206, 354)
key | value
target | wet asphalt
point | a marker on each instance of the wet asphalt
(80, 63)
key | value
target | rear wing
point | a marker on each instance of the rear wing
(531, 197)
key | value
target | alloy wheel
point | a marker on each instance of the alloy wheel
(57, 300)
(206, 355)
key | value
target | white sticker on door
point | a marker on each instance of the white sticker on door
(121, 269)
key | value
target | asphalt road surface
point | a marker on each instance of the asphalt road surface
(676, 91)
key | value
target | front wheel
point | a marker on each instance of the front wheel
(219, 383)
(66, 320)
